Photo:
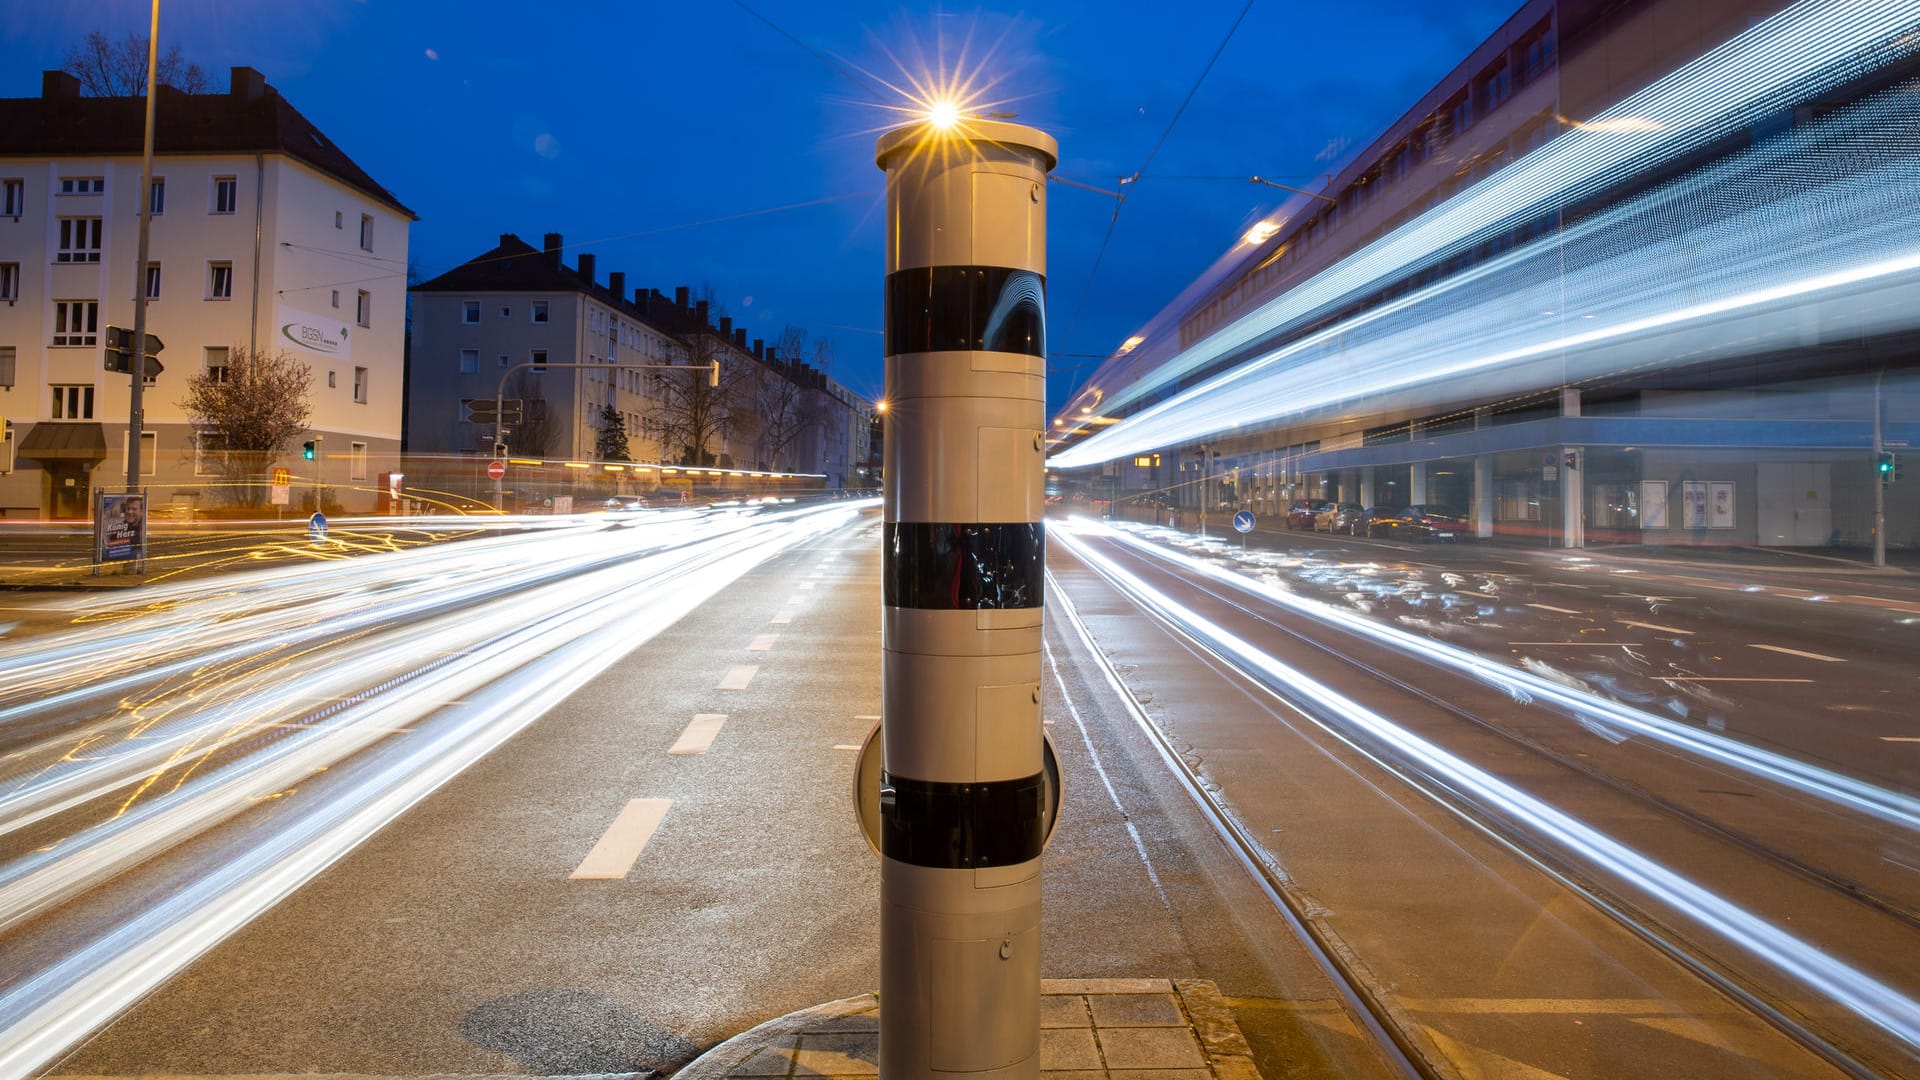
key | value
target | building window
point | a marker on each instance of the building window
(76, 322)
(83, 185)
(330, 379)
(13, 197)
(366, 232)
(363, 308)
(9, 281)
(226, 194)
(209, 452)
(339, 220)
(538, 356)
(153, 280)
(506, 312)
(360, 385)
(79, 240)
(73, 402)
(470, 312)
(214, 358)
(157, 197)
(7, 364)
(505, 360)
(220, 281)
(149, 450)
(539, 311)
(336, 298)
(356, 461)
(469, 361)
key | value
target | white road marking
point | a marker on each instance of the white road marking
(1724, 678)
(699, 734)
(737, 677)
(845, 746)
(1482, 595)
(1550, 607)
(1797, 652)
(782, 618)
(866, 717)
(762, 643)
(1604, 644)
(1899, 738)
(806, 585)
(1655, 626)
(620, 847)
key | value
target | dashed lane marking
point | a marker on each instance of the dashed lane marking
(864, 716)
(782, 618)
(737, 677)
(762, 642)
(1796, 652)
(1724, 678)
(699, 733)
(1900, 738)
(1550, 607)
(620, 846)
(1655, 626)
(845, 746)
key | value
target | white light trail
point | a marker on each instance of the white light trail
(1845, 985)
(1811, 195)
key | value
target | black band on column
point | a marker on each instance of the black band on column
(966, 308)
(943, 567)
(962, 826)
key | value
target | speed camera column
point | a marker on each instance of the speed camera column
(963, 792)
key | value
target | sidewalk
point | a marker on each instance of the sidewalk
(1138, 1029)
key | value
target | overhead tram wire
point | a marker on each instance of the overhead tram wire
(1121, 196)
(841, 68)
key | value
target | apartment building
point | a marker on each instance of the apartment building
(265, 235)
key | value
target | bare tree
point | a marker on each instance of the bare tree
(249, 412)
(107, 68)
(690, 413)
(779, 401)
(534, 433)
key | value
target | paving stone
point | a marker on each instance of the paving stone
(838, 1053)
(1106, 986)
(1064, 1011)
(769, 1062)
(1150, 1048)
(1136, 1010)
(1068, 1049)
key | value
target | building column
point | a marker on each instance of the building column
(1573, 497)
(1417, 482)
(1483, 496)
(1366, 487)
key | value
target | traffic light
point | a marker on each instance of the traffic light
(306, 450)
(1887, 467)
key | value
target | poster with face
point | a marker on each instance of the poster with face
(122, 528)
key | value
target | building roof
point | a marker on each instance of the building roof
(65, 442)
(251, 117)
(514, 265)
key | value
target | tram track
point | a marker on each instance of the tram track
(1869, 1035)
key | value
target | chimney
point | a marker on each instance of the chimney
(246, 85)
(773, 354)
(680, 298)
(586, 267)
(58, 85)
(726, 327)
(508, 238)
(740, 340)
(759, 349)
(700, 315)
(617, 284)
(551, 247)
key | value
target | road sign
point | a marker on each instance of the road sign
(496, 469)
(119, 357)
(1243, 521)
(481, 411)
(317, 527)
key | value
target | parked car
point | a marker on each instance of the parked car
(1418, 522)
(1301, 513)
(1339, 518)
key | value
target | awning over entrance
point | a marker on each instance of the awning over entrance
(64, 442)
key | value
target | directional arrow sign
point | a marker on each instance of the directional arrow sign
(480, 411)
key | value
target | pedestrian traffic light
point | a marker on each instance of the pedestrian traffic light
(306, 450)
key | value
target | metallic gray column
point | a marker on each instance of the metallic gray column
(962, 800)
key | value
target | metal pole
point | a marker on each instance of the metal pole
(963, 784)
(136, 405)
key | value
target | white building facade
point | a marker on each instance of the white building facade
(264, 236)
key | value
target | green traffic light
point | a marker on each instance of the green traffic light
(306, 451)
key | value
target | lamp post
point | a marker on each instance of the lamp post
(963, 790)
(135, 406)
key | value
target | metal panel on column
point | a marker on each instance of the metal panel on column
(963, 792)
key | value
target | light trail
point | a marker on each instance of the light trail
(1881, 1005)
(1802, 217)
(459, 679)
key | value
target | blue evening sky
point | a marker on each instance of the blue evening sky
(631, 127)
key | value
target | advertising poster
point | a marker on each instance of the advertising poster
(1653, 504)
(1693, 504)
(311, 336)
(121, 528)
(1720, 504)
